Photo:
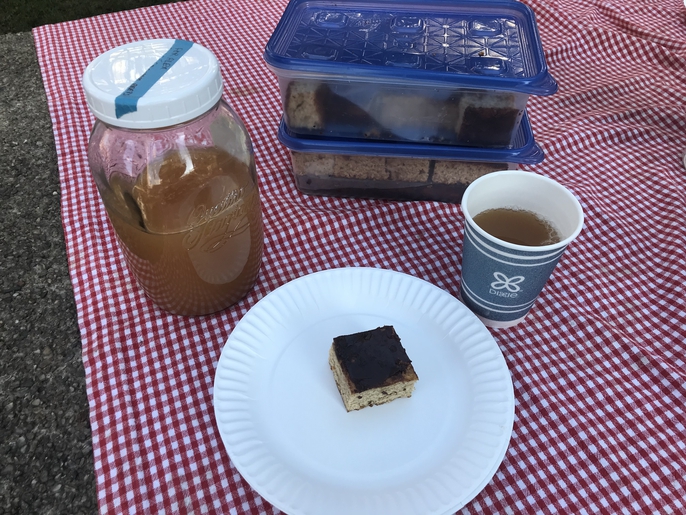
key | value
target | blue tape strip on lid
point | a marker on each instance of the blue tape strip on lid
(127, 102)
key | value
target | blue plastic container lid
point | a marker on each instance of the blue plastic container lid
(524, 149)
(485, 44)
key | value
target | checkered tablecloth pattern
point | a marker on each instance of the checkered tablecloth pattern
(599, 366)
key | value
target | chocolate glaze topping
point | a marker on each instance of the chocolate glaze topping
(372, 358)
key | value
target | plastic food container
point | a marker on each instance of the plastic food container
(442, 72)
(399, 171)
(175, 169)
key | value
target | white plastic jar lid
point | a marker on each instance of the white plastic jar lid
(152, 84)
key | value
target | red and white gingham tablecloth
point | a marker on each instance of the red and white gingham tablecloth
(598, 368)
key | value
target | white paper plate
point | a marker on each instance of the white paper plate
(286, 430)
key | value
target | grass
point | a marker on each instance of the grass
(24, 15)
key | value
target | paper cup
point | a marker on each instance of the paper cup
(501, 281)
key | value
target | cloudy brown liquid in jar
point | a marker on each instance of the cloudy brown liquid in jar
(190, 228)
(517, 226)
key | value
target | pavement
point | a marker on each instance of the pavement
(46, 457)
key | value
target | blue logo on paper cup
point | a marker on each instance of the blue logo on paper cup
(504, 282)
(499, 283)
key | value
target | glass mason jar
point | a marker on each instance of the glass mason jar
(175, 169)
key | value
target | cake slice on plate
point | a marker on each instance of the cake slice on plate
(371, 368)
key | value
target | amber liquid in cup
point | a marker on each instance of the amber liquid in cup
(190, 228)
(517, 226)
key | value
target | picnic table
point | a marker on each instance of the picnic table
(597, 368)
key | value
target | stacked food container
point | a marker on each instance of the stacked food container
(403, 99)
